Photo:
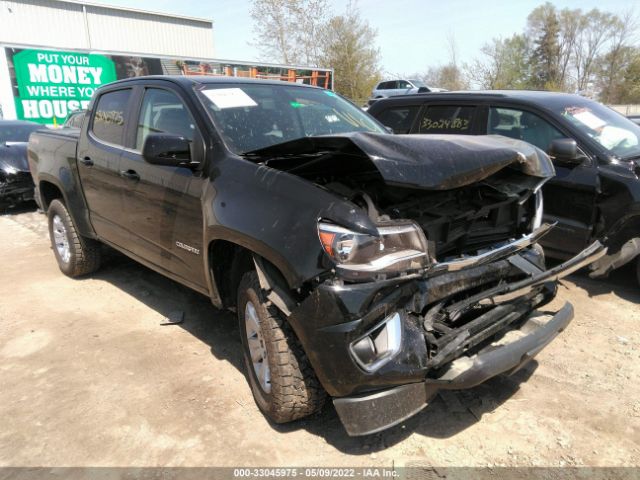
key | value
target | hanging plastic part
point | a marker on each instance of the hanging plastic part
(274, 294)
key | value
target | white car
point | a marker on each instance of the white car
(390, 88)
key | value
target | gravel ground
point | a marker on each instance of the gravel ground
(89, 376)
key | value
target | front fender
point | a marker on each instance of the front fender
(275, 215)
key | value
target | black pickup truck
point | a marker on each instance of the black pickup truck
(375, 268)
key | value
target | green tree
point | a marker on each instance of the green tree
(597, 29)
(631, 80)
(450, 75)
(287, 31)
(349, 47)
(504, 64)
(620, 77)
(544, 27)
(571, 25)
(612, 65)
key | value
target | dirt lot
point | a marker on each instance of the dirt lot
(89, 376)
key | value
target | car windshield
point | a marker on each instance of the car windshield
(617, 134)
(254, 116)
(16, 132)
(418, 83)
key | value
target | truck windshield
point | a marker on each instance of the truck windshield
(617, 134)
(254, 116)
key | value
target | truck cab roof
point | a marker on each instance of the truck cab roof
(541, 98)
(189, 81)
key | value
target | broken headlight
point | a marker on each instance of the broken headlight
(398, 247)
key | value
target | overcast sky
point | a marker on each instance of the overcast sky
(412, 34)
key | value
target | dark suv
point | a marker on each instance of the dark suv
(595, 151)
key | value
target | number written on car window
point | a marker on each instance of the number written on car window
(447, 119)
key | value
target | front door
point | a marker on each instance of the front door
(162, 208)
(99, 153)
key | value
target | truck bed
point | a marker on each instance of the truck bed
(52, 156)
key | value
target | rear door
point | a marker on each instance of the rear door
(162, 209)
(99, 152)
(399, 118)
(569, 197)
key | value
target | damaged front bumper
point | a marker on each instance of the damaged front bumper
(373, 412)
(459, 327)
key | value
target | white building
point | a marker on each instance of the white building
(66, 24)
(55, 53)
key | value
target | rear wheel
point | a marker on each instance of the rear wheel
(281, 378)
(76, 255)
(638, 268)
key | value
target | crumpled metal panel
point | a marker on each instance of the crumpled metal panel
(432, 162)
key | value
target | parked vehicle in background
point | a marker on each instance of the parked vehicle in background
(390, 88)
(376, 268)
(75, 119)
(596, 152)
(16, 185)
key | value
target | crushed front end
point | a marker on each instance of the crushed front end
(383, 349)
(435, 278)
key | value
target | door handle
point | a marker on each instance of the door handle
(87, 161)
(130, 174)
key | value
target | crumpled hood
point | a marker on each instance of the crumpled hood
(13, 157)
(434, 162)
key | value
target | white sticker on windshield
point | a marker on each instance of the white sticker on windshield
(590, 120)
(229, 98)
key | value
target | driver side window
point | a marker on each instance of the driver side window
(163, 112)
(522, 125)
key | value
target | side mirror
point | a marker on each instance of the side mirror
(423, 90)
(168, 150)
(565, 150)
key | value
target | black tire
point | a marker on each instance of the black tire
(295, 392)
(84, 253)
(638, 269)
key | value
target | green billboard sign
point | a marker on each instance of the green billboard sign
(51, 84)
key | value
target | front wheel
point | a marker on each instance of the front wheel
(282, 380)
(76, 255)
(638, 269)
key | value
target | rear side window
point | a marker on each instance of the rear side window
(399, 119)
(108, 119)
(447, 119)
